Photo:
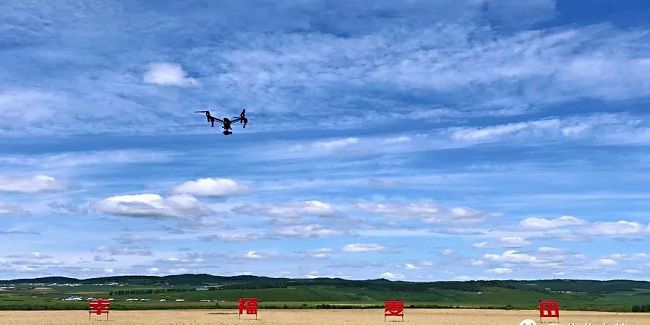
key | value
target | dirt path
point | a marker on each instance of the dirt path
(291, 317)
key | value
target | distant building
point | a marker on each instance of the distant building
(73, 298)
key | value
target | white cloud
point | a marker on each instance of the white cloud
(321, 253)
(130, 238)
(12, 210)
(392, 276)
(362, 248)
(252, 255)
(488, 133)
(514, 242)
(210, 187)
(237, 236)
(597, 128)
(534, 223)
(505, 242)
(86, 158)
(500, 270)
(550, 250)
(124, 251)
(303, 231)
(312, 275)
(109, 271)
(167, 74)
(153, 205)
(34, 184)
(315, 207)
(409, 266)
(397, 140)
(397, 210)
(335, 144)
(428, 212)
(291, 212)
(618, 228)
(606, 262)
(153, 270)
(103, 258)
(511, 256)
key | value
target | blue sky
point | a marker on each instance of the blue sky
(416, 140)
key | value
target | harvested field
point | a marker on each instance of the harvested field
(287, 317)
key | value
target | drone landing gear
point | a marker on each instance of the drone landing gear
(227, 132)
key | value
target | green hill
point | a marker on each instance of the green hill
(202, 290)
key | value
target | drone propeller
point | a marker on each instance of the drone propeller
(242, 117)
(208, 116)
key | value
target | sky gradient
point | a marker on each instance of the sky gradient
(414, 140)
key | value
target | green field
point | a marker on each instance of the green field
(223, 292)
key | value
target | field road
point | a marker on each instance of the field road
(289, 317)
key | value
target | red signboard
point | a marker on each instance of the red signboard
(549, 308)
(99, 307)
(394, 308)
(248, 306)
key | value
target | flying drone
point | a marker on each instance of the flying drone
(226, 122)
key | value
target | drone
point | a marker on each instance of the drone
(226, 122)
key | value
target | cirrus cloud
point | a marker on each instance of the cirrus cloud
(33, 184)
(426, 211)
(618, 228)
(362, 248)
(10, 209)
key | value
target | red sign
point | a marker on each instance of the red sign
(549, 308)
(99, 307)
(394, 308)
(248, 306)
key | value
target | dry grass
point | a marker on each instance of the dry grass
(289, 317)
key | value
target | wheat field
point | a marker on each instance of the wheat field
(291, 317)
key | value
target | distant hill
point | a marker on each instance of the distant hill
(258, 282)
(197, 290)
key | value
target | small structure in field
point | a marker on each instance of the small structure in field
(247, 306)
(99, 307)
(549, 309)
(394, 308)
